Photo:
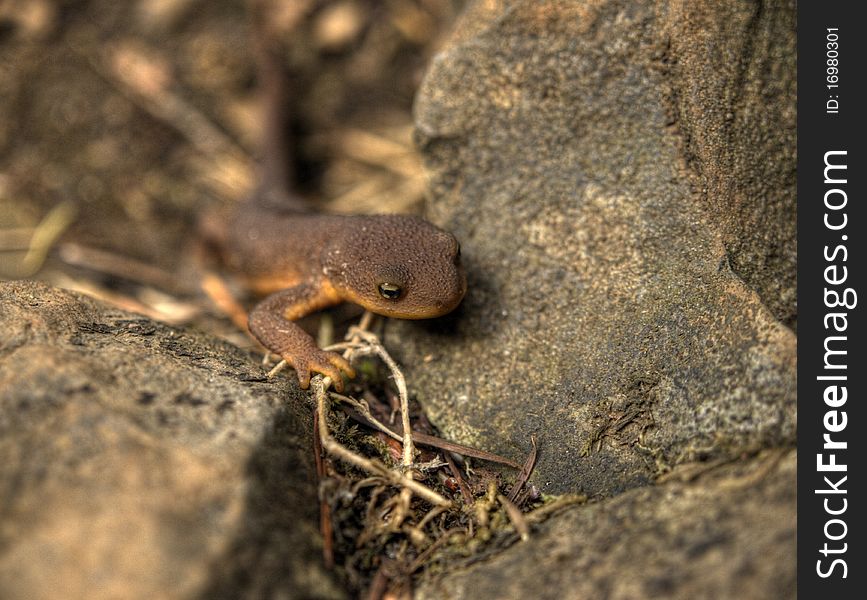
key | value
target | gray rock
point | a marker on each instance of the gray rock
(621, 180)
(141, 461)
(727, 533)
(621, 176)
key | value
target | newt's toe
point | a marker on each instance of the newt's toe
(342, 364)
(303, 377)
(327, 363)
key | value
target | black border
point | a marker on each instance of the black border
(819, 132)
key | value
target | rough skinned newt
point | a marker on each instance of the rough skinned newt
(302, 261)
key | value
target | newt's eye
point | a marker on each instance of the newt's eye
(389, 291)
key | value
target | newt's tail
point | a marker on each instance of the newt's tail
(276, 171)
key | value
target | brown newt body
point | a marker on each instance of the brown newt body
(302, 261)
(393, 265)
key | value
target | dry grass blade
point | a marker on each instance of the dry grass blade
(361, 413)
(326, 527)
(432, 441)
(45, 234)
(109, 263)
(525, 473)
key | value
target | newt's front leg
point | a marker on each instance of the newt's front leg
(271, 323)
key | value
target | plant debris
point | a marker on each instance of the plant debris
(395, 498)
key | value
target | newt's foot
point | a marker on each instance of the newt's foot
(329, 364)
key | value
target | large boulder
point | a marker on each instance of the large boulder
(621, 177)
(723, 532)
(141, 461)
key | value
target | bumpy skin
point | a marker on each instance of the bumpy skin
(394, 265)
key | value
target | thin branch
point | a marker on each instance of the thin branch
(399, 380)
(373, 467)
(362, 414)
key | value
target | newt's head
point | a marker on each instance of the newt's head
(397, 266)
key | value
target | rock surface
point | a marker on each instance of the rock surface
(621, 177)
(140, 461)
(726, 533)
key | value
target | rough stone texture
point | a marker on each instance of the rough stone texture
(729, 533)
(620, 176)
(140, 461)
(732, 88)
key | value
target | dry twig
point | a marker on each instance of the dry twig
(375, 347)
(404, 480)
